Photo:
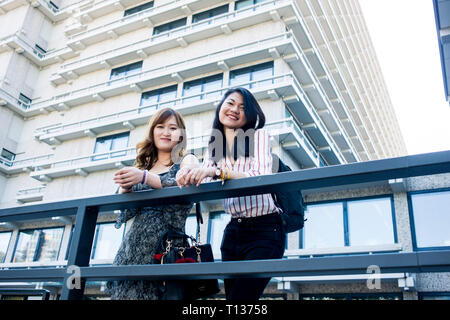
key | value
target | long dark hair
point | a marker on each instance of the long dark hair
(255, 119)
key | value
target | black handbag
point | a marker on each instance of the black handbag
(195, 253)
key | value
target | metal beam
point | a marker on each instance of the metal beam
(354, 173)
(425, 261)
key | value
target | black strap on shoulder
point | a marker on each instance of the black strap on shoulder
(198, 213)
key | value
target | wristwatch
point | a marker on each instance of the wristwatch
(218, 173)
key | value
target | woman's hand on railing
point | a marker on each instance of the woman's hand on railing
(196, 175)
(127, 177)
(181, 176)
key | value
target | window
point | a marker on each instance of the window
(107, 240)
(434, 295)
(209, 13)
(253, 73)
(169, 26)
(24, 101)
(361, 222)
(430, 218)
(353, 296)
(53, 5)
(39, 51)
(245, 3)
(139, 8)
(111, 143)
(38, 245)
(199, 86)
(8, 155)
(5, 238)
(126, 71)
(370, 222)
(159, 96)
(325, 226)
(217, 223)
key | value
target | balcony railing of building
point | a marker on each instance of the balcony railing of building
(137, 82)
(193, 32)
(146, 18)
(284, 86)
(287, 132)
(86, 211)
(85, 164)
(330, 45)
(24, 165)
(30, 194)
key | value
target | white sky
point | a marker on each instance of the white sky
(404, 35)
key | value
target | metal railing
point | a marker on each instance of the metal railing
(87, 210)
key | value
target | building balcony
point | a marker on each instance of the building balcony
(285, 87)
(85, 164)
(8, 5)
(14, 104)
(24, 165)
(143, 19)
(271, 87)
(225, 23)
(53, 12)
(30, 194)
(217, 61)
(94, 9)
(286, 131)
(22, 45)
(325, 57)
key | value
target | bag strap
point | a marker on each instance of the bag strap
(198, 213)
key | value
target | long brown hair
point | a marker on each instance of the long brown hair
(147, 153)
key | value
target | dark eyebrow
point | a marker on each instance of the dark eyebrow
(241, 104)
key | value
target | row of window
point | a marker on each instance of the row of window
(239, 4)
(159, 96)
(134, 68)
(215, 82)
(361, 222)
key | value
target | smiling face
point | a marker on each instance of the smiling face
(231, 113)
(166, 135)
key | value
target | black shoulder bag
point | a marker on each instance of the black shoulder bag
(196, 253)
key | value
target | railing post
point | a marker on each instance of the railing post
(80, 252)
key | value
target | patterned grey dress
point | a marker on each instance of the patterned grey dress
(138, 246)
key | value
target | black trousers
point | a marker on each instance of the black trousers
(251, 239)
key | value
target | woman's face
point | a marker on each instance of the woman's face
(167, 135)
(231, 113)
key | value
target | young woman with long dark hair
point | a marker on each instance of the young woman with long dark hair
(255, 230)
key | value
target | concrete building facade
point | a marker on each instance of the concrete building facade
(79, 82)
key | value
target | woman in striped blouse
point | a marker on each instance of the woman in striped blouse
(239, 147)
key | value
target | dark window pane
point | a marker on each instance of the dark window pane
(8, 155)
(210, 13)
(127, 70)
(169, 26)
(139, 8)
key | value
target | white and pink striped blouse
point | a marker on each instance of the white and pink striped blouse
(259, 164)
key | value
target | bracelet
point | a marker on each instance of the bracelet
(144, 176)
(224, 176)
